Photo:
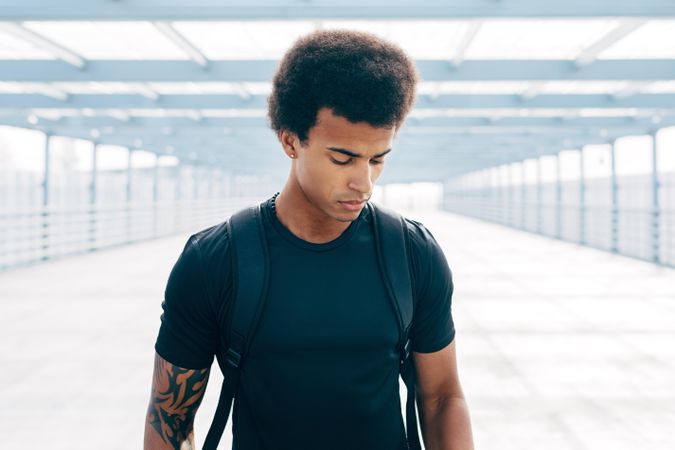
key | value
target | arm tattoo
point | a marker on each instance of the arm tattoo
(176, 395)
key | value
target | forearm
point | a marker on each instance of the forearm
(166, 432)
(446, 424)
(175, 398)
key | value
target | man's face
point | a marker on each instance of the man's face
(341, 162)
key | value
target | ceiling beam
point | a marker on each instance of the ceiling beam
(414, 128)
(468, 37)
(154, 10)
(68, 56)
(258, 102)
(263, 70)
(196, 122)
(181, 42)
(590, 54)
(449, 142)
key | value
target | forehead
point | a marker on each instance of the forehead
(339, 130)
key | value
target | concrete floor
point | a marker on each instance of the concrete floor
(559, 346)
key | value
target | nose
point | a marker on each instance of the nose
(361, 178)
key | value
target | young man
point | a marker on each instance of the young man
(322, 370)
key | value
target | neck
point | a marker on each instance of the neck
(302, 218)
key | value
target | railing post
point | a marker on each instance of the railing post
(558, 198)
(92, 198)
(582, 198)
(655, 210)
(509, 194)
(614, 243)
(129, 208)
(523, 195)
(44, 215)
(155, 196)
(178, 204)
(539, 189)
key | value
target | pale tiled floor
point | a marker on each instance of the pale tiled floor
(559, 346)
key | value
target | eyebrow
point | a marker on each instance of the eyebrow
(354, 154)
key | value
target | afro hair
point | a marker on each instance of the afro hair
(358, 75)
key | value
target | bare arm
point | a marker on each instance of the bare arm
(444, 415)
(175, 398)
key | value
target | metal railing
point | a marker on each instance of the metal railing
(32, 235)
(632, 228)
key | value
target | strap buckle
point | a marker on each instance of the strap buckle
(405, 351)
(233, 358)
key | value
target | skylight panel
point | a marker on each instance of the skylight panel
(95, 88)
(14, 48)
(471, 87)
(660, 87)
(109, 40)
(11, 88)
(234, 112)
(536, 39)
(655, 40)
(258, 88)
(582, 87)
(608, 112)
(244, 40)
(195, 88)
(421, 39)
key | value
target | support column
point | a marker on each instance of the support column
(523, 196)
(655, 210)
(558, 198)
(582, 198)
(614, 211)
(179, 188)
(178, 197)
(44, 214)
(129, 208)
(499, 217)
(45, 178)
(155, 197)
(92, 197)
(195, 207)
(195, 182)
(539, 224)
(496, 195)
(129, 176)
(485, 194)
(509, 195)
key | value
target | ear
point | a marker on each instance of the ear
(289, 142)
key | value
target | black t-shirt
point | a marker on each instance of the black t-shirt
(322, 371)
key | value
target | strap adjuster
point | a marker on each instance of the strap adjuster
(233, 358)
(405, 351)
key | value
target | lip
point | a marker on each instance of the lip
(353, 205)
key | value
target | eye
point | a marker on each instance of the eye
(376, 162)
(341, 163)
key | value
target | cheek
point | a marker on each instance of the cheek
(321, 176)
(376, 172)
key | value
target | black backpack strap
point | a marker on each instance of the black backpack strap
(250, 275)
(391, 242)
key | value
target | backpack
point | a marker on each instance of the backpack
(250, 272)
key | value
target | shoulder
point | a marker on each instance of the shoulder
(419, 235)
(422, 245)
(419, 240)
(427, 260)
(211, 242)
(209, 250)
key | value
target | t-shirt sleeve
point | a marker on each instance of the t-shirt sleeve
(188, 335)
(433, 327)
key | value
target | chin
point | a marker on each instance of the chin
(348, 216)
(335, 212)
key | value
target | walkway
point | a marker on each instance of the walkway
(559, 346)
